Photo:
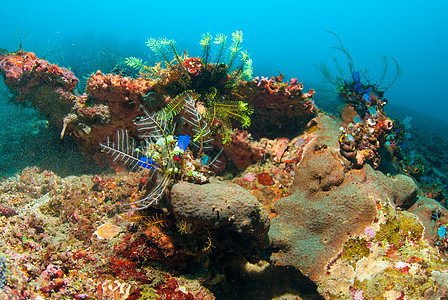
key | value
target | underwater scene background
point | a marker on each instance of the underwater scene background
(290, 38)
(224, 150)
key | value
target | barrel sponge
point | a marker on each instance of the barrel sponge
(218, 204)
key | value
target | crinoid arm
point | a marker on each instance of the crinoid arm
(244, 70)
(220, 40)
(157, 184)
(177, 104)
(329, 78)
(123, 149)
(237, 110)
(152, 125)
(342, 76)
(206, 47)
(199, 125)
(162, 48)
(140, 66)
(384, 58)
(235, 48)
(142, 159)
(397, 66)
(345, 51)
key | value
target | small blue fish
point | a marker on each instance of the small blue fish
(358, 88)
(147, 163)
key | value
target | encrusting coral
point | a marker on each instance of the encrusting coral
(343, 228)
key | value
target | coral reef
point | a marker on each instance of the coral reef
(303, 206)
(57, 244)
(361, 139)
(111, 102)
(342, 228)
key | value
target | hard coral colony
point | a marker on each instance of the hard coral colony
(297, 187)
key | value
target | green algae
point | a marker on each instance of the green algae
(148, 293)
(396, 229)
(389, 231)
(355, 249)
(413, 286)
(410, 225)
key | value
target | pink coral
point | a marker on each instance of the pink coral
(356, 294)
(369, 231)
(249, 177)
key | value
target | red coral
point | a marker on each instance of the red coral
(241, 151)
(115, 88)
(162, 240)
(265, 179)
(53, 286)
(193, 65)
(23, 71)
(169, 291)
(125, 269)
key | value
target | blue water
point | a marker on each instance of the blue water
(286, 36)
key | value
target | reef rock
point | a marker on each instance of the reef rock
(240, 150)
(47, 87)
(217, 205)
(432, 215)
(280, 109)
(329, 204)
